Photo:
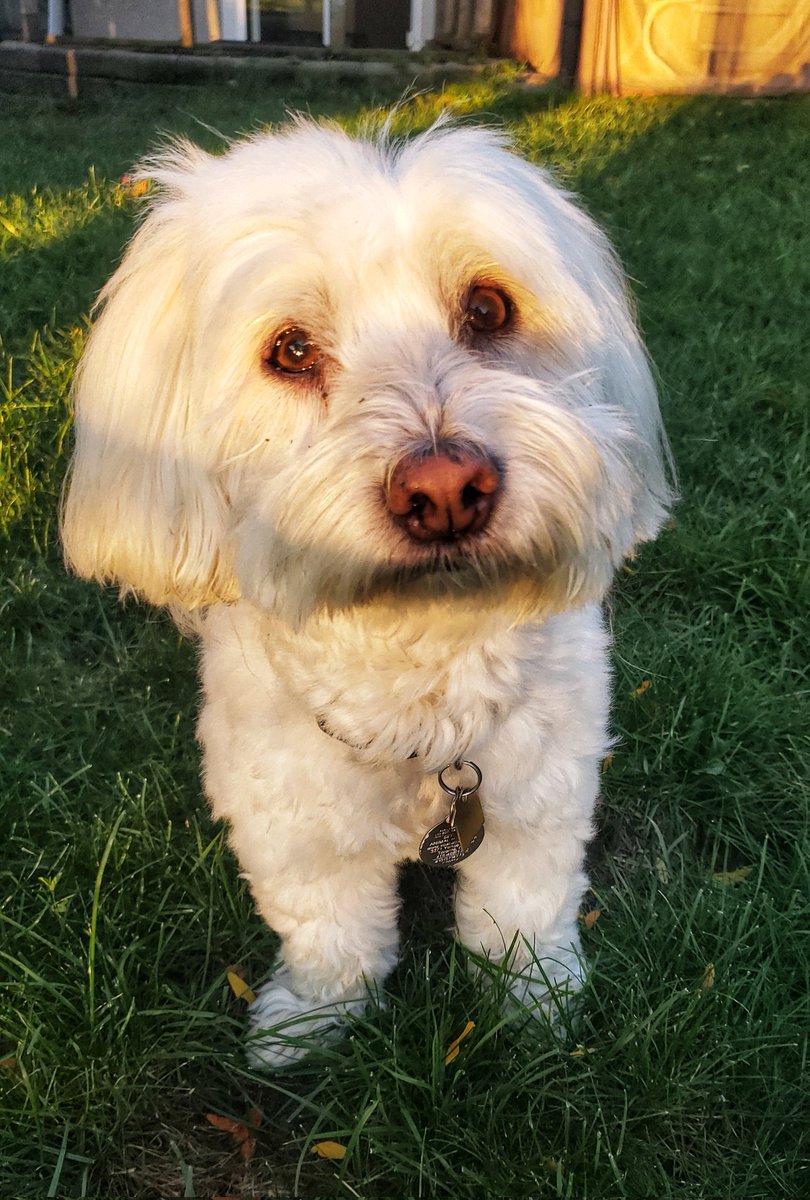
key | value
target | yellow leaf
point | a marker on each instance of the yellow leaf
(729, 878)
(135, 187)
(452, 1049)
(606, 763)
(641, 689)
(328, 1150)
(581, 1051)
(708, 977)
(240, 989)
(590, 918)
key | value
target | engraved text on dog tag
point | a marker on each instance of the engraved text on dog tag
(461, 832)
(455, 838)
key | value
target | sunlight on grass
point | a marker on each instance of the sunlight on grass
(34, 422)
(43, 216)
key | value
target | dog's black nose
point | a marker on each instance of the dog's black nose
(444, 495)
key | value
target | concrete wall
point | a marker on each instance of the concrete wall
(143, 21)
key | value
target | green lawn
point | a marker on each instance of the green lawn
(122, 909)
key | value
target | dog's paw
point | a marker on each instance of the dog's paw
(285, 1026)
(539, 983)
(547, 986)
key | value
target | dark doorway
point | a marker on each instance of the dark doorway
(381, 26)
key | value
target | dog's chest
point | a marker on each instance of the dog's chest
(404, 692)
(348, 746)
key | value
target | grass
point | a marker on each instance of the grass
(121, 907)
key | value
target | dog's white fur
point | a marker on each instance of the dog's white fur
(339, 675)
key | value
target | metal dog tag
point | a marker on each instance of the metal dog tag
(461, 833)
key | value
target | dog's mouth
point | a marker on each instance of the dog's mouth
(456, 564)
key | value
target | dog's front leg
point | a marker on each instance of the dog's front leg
(339, 941)
(517, 904)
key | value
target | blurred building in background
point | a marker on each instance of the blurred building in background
(616, 46)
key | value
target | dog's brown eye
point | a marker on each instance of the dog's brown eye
(292, 352)
(489, 309)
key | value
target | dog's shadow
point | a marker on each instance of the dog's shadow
(426, 908)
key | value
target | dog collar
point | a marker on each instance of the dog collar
(462, 831)
(324, 728)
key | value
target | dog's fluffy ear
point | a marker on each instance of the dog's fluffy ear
(142, 508)
(598, 314)
(623, 374)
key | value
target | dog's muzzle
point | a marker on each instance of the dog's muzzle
(443, 496)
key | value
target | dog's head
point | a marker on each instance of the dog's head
(328, 370)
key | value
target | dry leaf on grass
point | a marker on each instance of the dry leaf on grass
(240, 989)
(452, 1049)
(589, 919)
(708, 977)
(328, 1150)
(8, 1063)
(241, 1134)
(135, 187)
(641, 689)
(729, 878)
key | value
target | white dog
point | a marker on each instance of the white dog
(374, 419)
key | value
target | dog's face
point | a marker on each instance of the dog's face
(331, 370)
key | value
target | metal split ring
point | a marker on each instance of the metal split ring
(461, 793)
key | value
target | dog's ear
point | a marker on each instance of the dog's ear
(142, 507)
(577, 269)
(629, 388)
(613, 350)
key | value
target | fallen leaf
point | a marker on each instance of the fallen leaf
(729, 878)
(240, 989)
(236, 1129)
(607, 762)
(9, 1063)
(581, 1051)
(135, 187)
(641, 689)
(708, 977)
(452, 1049)
(328, 1150)
(661, 870)
(590, 918)
(242, 1134)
